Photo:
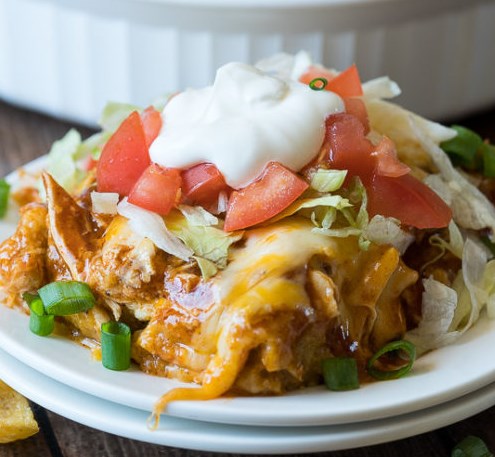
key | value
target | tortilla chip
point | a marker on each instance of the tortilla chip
(16, 418)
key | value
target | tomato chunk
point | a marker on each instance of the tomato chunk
(202, 184)
(388, 163)
(152, 124)
(409, 200)
(124, 157)
(274, 191)
(392, 192)
(157, 190)
(357, 108)
(345, 84)
(348, 147)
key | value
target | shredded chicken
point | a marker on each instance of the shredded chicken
(287, 299)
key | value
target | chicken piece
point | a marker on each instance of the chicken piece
(74, 242)
(74, 233)
(371, 313)
(127, 264)
(22, 256)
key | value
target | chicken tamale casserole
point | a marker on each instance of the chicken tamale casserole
(285, 227)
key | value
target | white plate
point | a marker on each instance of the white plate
(131, 423)
(440, 376)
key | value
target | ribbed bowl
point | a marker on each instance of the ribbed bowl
(68, 57)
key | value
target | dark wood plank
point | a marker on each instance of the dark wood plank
(34, 446)
(25, 135)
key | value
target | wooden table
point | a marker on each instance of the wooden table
(25, 135)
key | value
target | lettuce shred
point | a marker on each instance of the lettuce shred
(199, 231)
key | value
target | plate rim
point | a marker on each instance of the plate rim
(101, 414)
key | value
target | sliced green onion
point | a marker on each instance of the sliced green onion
(40, 323)
(29, 298)
(340, 373)
(115, 345)
(318, 83)
(471, 446)
(61, 298)
(384, 374)
(4, 197)
(487, 152)
(463, 148)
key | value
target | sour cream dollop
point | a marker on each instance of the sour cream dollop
(242, 122)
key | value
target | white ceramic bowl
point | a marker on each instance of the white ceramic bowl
(68, 57)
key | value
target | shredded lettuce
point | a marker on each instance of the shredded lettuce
(470, 208)
(438, 307)
(197, 215)
(114, 113)
(92, 146)
(328, 201)
(382, 87)
(208, 243)
(455, 244)
(472, 295)
(448, 312)
(489, 287)
(328, 180)
(387, 230)
(62, 160)
(207, 267)
(152, 226)
(104, 202)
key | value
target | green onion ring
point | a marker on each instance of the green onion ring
(62, 298)
(340, 373)
(115, 345)
(40, 323)
(318, 83)
(400, 345)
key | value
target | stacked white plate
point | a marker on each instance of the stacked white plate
(445, 386)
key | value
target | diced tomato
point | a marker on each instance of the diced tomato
(157, 190)
(202, 184)
(387, 162)
(124, 157)
(274, 191)
(409, 200)
(357, 108)
(391, 190)
(345, 84)
(152, 124)
(348, 147)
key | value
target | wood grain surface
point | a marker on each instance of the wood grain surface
(25, 135)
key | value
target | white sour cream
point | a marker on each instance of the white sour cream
(242, 122)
